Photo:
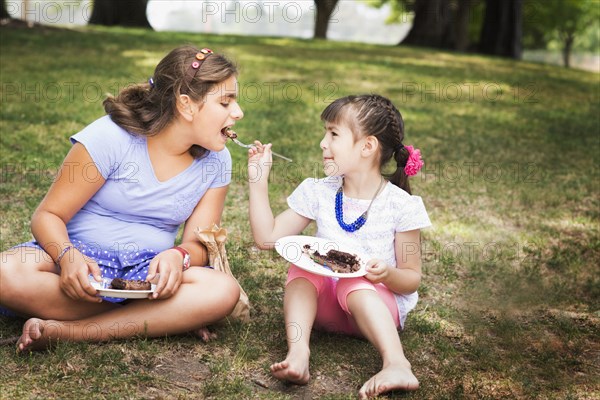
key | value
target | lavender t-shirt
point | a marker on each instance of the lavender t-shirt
(133, 210)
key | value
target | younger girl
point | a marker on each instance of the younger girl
(132, 177)
(357, 207)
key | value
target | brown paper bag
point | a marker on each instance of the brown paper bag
(214, 239)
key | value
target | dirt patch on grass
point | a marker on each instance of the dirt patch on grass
(176, 374)
(491, 386)
(338, 382)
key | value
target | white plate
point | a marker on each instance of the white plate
(290, 248)
(104, 289)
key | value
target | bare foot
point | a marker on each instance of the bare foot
(392, 377)
(33, 337)
(205, 335)
(294, 368)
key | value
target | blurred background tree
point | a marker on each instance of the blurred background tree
(502, 30)
(488, 26)
(445, 24)
(558, 23)
(119, 12)
(3, 12)
(436, 23)
(498, 27)
(324, 9)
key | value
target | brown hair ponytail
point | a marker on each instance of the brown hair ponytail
(399, 177)
(146, 110)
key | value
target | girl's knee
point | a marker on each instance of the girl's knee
(225, 290)
(212, 295)
(347, 286)
(26, 260)
(354, 287)
(7, 274)
(231, 290)
(8, 260)
(12, 280)
(317, 281)
(11, 266)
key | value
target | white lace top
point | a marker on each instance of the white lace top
(394, 210)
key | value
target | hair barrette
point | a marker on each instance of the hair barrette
(199, 58)
(151, 82)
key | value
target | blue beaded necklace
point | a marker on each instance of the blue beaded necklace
(339, 210)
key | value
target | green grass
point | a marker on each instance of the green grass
(510, 297)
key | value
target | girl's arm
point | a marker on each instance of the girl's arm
(406, 277)
(77, 181)
(168, 264)
(266, 228)
(207, 213)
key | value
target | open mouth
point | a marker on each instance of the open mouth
(228, 133)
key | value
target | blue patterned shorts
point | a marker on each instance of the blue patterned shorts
(113, 264)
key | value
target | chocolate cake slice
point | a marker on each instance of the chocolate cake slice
(337, 261)
(129, 284)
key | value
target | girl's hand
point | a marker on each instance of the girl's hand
(74, 280)
(260, 161)
(377, 271)
(167, 266)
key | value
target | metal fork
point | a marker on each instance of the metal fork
(248, 146)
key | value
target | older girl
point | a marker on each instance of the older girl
(155, 161)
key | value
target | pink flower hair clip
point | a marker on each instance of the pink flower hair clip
(414, 162)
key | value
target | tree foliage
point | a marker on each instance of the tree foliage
(562, 20)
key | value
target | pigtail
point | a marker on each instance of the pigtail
(399, 177)
(133, 110)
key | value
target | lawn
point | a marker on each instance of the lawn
(509, 304)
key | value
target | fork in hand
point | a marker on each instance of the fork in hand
(233, 136)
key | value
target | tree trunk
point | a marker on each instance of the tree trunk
(432, 25)
(324, 10)
(4, 11)
(120, 12)
(502, 30)
(568, 46)
(463, 14)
